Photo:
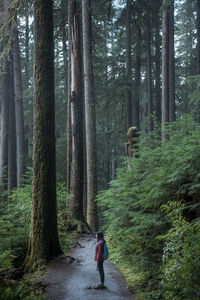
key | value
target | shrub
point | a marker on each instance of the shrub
(132, 205)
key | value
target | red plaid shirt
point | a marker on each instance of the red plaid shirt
(99, 251)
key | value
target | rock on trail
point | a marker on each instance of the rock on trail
(68, 277)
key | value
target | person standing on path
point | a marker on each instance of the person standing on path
(99, 256)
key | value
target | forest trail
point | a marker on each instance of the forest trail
(67, 279)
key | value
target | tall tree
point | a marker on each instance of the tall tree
(76, 109)
(19, 112)
(136, 107)
(157, 66)
(90, 120)
(4, 121)
(165, 67)
(172, 115)
(69, 125)
(129, 108)
(8, 129)
(149, 72)
(43, 242)
(12, 164)
(198, 49)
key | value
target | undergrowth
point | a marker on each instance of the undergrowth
(140, 213)
(15, 218)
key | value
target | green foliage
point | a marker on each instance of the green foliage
(132, 206)
(14, 227)
(181, 277)
(14, 234)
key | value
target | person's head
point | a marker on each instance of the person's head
(99, 235)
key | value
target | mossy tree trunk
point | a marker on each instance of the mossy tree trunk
(90, 119)
(43, 243)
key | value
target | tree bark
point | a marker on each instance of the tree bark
(136, 110)
(158, 69)
(165, 68)
(69, 125)
(19, 112)
(4, 122)
(149, 73)
(76, 203)
(90, 119)
(64, 44)
(129, 108)
(27, 47)
(12, 164)
(172, 115)
(198, 50)
(44, 243)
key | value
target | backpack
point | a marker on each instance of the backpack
(105, 254)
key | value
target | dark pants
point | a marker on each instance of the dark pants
(101, 271)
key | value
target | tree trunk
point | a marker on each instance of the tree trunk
(129, 108)
(19, 113)
(4, 111)
(43, 243)
(149, 73)
(198, 51)
(4, 122)
(158, 69)
(69, 125)
(165, 68)
(12, 164)
(26, 77)
(27, 47)
(136, 110)
(76, 203)
(90, 120)
(172, 116)
(64, 44)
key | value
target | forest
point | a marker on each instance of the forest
(100, 129)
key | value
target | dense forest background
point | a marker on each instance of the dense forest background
(100, 113)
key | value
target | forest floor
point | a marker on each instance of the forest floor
(69, 276)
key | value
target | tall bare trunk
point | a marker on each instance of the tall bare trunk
(136, 110)
(19, 112)
(69, 125)
(90, 120)
(158, 67)
(172, 115)
(198, 49)
(129, 108)
(43, 243)
(4, 122)
(165, 67)
(76, 203)
(149, 73)
(12, 166)
(64, 44)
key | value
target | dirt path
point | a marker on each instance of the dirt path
(68, 280)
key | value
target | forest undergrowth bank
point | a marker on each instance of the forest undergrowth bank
(151, 215)
(15, 227)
